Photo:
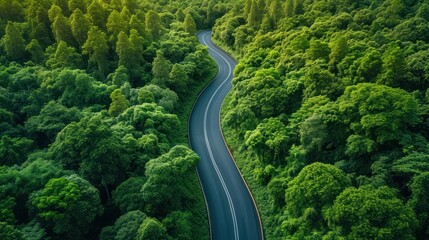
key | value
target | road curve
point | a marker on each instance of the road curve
(232, 212)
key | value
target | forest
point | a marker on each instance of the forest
(94, 101)
(328, 116)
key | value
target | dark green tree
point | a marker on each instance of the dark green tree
(14, 43)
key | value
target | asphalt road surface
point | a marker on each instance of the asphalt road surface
(232, 212)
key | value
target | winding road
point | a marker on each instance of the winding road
(231, 209)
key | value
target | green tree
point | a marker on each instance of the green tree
(80, 25)
(161, 68)
(419, 202)
(14, 150)
(126, 226)
(178, 79)
(64, 56)
(98, 14)
(151, 229)
(62, 31)
(180, 15)
(67, 206)
(119, 103)
(339, 49)
(97, 49)
(290, 8)
(77, 4)
(51, 120)
(378, 112)
(153, 24)
(394, 68)
(115, 25)
(9, 232)
(276, 10)
(169, 181)
(269, 140)
(190, 26)
(370, 213)
(36, 51)
(14, 43)
(179, 225)
(127, 195)
(94, 150)
(316, 186)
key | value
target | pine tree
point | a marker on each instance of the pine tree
(247, 8)
(180, 15)
(153, 24)
(276, 10)
(115, 25)
(290, 8)
(119, 103)
(36, 51)
(77, 4)
(97, 49)
(190, 25)
(253, 17)
(161, 68)
(62, 31)
(98, 14)
(80, 25)
(14, 43)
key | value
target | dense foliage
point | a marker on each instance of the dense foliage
(94, 95)
(328, 115)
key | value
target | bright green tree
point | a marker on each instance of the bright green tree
(169, 181)
(370, 213)
(190, 26)
(119, 103)
(151, 229)
(66, 205)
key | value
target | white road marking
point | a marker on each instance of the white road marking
(231, 204)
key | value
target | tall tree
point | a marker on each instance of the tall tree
(80, 25)
(153, 24)
(190, 25)
(62, 31)
(14, 43)
(276, 10)
(98, 14)
(115, 25)
(97, 49)
(161, 68)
